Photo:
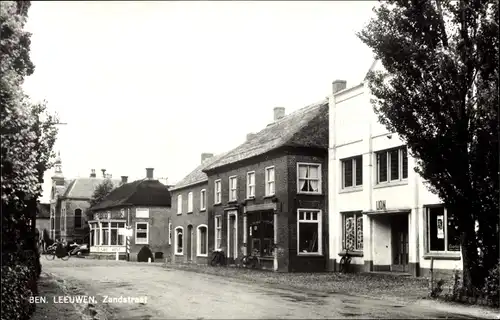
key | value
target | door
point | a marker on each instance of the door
(189, 243)
(400, 254)
(232, 236)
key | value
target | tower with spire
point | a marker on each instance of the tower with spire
(58, 176)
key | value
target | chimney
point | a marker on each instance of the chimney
(338, 85)
(279, 112)
(250, 136)
(205, 156)
(149, 173)
(103, 173)
(124, 179)
(92, 173)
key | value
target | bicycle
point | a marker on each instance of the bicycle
(345, 262)
(251, 260)
(218, 259)
(57, 250)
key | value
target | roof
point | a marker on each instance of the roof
(197, 175)
(84, 187)
(43, 210)
(306, 127)
(145, 192)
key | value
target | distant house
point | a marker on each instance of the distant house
(69, 202)
(268, 196)
(144, 206)
(188, 225)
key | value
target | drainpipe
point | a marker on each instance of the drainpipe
(369, 239)
(335, 220)
(245, 232)
(275, 251)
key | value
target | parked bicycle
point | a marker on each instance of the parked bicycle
(57, 250)
(251, 260)
(218, 258)
(345, 262)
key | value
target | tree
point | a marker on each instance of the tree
(27, 129)
(101, 191)
(439, 93)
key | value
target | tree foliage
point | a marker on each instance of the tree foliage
(439, 93)
(101, 191)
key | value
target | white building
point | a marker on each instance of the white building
(378, 206)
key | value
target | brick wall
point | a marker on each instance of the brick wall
(189, 222)
(73, 233)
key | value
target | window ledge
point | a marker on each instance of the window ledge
(217, 204)
(202, 255)
(310, 193)
(352, 253)
(204, 209)
(309, 254)
(442, 256)
(179, 254)
(269, 196)
(189, 212)
(250, 198)
(391, 184)
(351, 189)
(179, 214)
(142, 243)
(232, 201)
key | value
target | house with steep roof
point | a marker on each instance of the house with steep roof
(268, 196)
(143, 206)
(69, 202)
(188, 224)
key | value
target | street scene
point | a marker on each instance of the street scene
(250, 159)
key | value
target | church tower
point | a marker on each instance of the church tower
(58, 177)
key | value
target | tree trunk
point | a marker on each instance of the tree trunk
(471, 278)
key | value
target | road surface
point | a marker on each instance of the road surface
(174, 294)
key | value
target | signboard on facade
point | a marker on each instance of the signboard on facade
(380, 205)
(142, 213)
(108, 249)
(125, 232)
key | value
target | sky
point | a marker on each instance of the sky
(155, 84)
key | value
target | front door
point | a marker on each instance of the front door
(400, 254)
(232, 233)
(189, 240)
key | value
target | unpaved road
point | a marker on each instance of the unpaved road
(175, 294)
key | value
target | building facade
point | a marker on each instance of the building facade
(268, 197)
(142, 206)
(69, 203)
(188, 225)
(380, 209)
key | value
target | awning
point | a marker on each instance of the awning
(387, 212)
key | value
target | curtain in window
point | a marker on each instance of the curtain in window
(302, 175)
(359, 233)
(349, 233)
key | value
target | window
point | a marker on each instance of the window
(309, 178)
(251, 185)
(117, 239)
(105, 233)
(141, 233)
(179, 204)
(270, 188)
(92, 234)
(52, 223)
(202, 236)
(170, 233)
(203, 199)
(442, 231)
(352, 231)
(392, 165)
(218, 192)
(190, 202)
(78, 218)
(233, 188)
(218, 232)
(352, 172)
(63, 219)
(261, 233)
(178, 240)
(309, 231)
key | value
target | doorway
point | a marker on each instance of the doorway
(189, 243)
(232, 236)
(399, 227)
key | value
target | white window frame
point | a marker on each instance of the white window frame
(250, 185)
(179, 204)
(233, 188)
(268, 183)
(218, 246)
(218, 191)
(318, 221)
(445, 227)
(176, 239)
(354, 176)
(170, 233)
(306, 164)
(355, 215)
(198, 239)
(388, 164)
(135, 233)
(190, 202)
(203, 199)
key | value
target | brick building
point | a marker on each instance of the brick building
(268, 196)
(69, 202)
(188, 225)
(144, 205)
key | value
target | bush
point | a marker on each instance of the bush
(17, 285)
(491, 287)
